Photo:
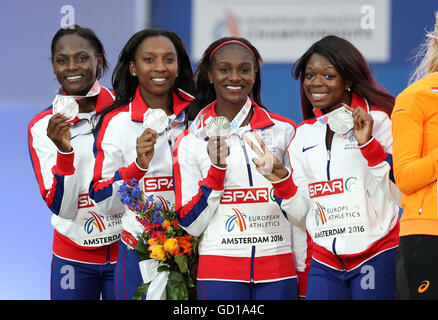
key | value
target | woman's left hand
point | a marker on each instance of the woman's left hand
(267, 163)
(363, 124)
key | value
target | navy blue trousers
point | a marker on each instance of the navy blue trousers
(72, 280)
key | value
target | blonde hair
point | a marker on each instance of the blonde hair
(428, 53)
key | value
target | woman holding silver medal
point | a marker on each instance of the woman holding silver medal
(342, 166)
(152, 80)
(245, 251)
(85, 245)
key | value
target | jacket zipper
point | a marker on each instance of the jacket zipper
(251, 183)
(329, 156)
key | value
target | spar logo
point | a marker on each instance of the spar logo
(237, 220)
(95, 221)
(250, 195)
(158, 184)
(326, 188)
(320, 214)
(84, 201)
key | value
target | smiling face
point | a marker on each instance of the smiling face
(233, 74)
(156, 66)
(75, 64)
(323, 85)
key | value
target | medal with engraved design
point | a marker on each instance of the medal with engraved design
(218, 127)
(156, 119)
(66, 105)
(340, 121)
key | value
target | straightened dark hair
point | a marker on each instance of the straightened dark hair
(352, 67)
(88, 35)
(205, 93)
(125, 85)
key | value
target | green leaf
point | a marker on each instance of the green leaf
(142, 249)
(163, 267)
(182, 263)
(142, 290)
(176, 288)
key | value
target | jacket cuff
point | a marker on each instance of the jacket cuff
(215, 178)
(302, 283)
(64, 163)
(373, 152)
(133, 171)
(286, 188)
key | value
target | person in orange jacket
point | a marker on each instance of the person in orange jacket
(415, 156)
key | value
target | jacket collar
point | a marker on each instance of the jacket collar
(138, 106)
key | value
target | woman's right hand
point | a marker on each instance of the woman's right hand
(145, 147)
(58, 130)
(218, 150)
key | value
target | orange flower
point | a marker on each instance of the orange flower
(166, 224)
(171, 246)
(161, 238)
(158, 253)
(185, 243)
(175, 223)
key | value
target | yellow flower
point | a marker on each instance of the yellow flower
(158, 253)
(171, 246)
(166, 224)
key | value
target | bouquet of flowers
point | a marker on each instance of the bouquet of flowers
(162, 239)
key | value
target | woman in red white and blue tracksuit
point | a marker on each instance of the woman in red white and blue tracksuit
(344, 177)
(246, 250)
(153, 71)
(85, 243)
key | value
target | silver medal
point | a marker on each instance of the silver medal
(340, 120)
(156, 119)
(66, 105)
(218, 127)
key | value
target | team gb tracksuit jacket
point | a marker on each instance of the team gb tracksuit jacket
(246, 236)
(82, 232)
(116, 153)
(354, 202)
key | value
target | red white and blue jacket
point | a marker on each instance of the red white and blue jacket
(82, 232)
(353, 202)
(116, 153)
(246, 236)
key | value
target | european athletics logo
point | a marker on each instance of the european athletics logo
(237, 219)
(320, 214)
(94, 221)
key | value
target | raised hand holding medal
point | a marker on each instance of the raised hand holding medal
(155, 121)
(363, 124)
(218, 129)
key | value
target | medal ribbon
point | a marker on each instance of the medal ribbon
(235, 123)
(94, 91)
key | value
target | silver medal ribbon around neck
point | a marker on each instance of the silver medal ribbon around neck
(94, 91)
(220, 126)
(340, 121)
(67, 106)
(155, 119)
